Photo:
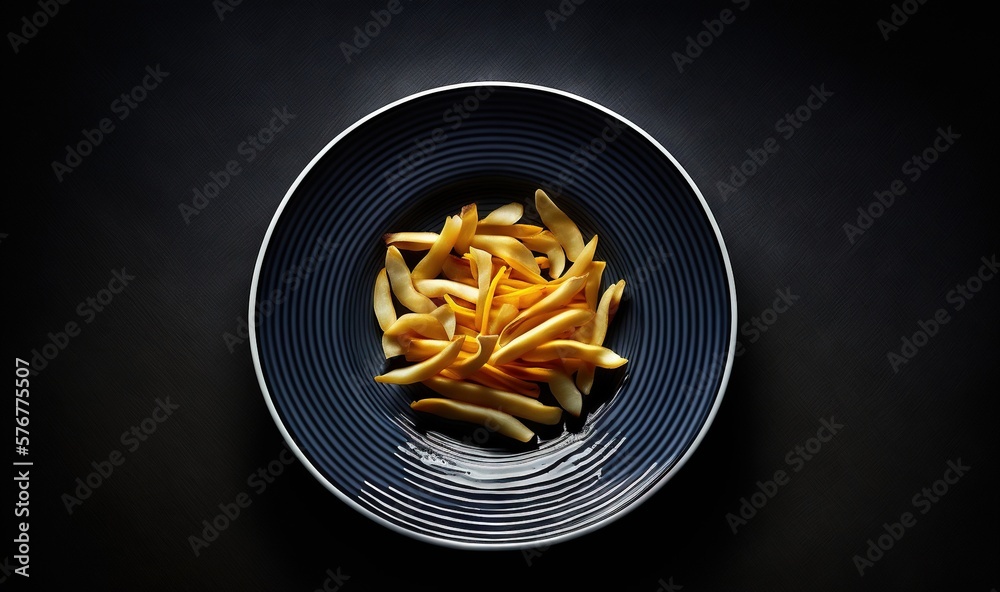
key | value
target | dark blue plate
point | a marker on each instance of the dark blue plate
(316, 343)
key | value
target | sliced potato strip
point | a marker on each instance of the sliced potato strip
(457, 269)
(511, 403)
(521, 231)
(486, 344)
(564, 229)
(385, 310)
(430, 265)
(504, 316)
(566, 393)
(513, 252)
(499, 421)
(470, 220)
(411, 241)
(421, 348)
(505, 382)
(545, 242)
(593, 289)
(436, 288)
(446, 316)
(391, 347)
(504, 215)
(555, 299)
(423, 324)
(567, 348)
(402, 283)
(536, 336)
(426, 369)
(582, 263)
(483, 311)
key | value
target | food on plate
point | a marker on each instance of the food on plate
(492, 312)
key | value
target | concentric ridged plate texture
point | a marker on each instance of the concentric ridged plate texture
(316, 343)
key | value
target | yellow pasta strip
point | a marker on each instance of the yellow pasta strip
(430, 265)
(486, 344)
(545, 242)
(470, 220)
(568, 348)
(521, 231)
(426, 369)
(426, 325)
(504, 215)
(513, 252)
(411, 241)
(566, 393)
(385, 311)
(532, 338)
(483, 313)
(512, 403)
(504, 316)
(501, 422)
(594, 282)
(583, 261)
(402, 283)
(564, 229)
(436, 288)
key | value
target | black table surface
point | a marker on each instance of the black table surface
(871, 391)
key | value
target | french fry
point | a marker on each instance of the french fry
(411, 241)
(532, 338)
(564, 229)
(402, 283)
(504, 215)
(511, 403)
(486, 344)
(499, 421)
(385, 312)
(426, 369)
(568, 348)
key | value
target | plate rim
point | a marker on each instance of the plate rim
(499, 546)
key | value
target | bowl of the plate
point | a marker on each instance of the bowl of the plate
(317, 345)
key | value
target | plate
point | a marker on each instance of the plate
(316, 344)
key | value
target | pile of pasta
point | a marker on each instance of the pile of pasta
(494, 312)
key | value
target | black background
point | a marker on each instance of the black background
(826, 356)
